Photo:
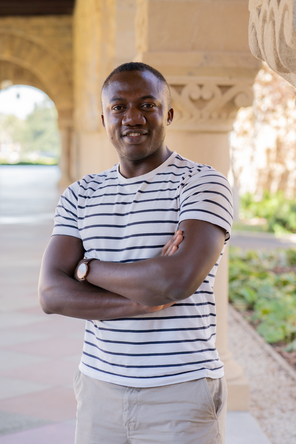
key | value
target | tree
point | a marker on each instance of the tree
(40, 132)
(10, 126)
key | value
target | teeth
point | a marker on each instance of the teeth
(134, 134)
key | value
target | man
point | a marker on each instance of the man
(149, 372)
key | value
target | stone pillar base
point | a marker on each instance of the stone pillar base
(238, 386)
(238, 395)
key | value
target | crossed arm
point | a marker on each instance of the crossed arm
(117, 290)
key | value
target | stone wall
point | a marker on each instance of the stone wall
(104, 37)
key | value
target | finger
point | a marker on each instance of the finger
(168, 305)
(154, 309)
(172, 250)
(174, 246)
(178, 239)
(163, 307)
(172, 241)
(160, 307)
(168, 245)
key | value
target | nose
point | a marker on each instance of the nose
(133, 116)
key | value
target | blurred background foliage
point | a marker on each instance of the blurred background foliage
(33, 140)
(262, 285)
(273, 213)
(263, 142)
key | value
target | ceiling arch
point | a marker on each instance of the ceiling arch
(19, 75)
(26, 61)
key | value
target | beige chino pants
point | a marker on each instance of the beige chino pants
(191, 412)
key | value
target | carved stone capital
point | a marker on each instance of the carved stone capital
(272, 35)
(208, 104)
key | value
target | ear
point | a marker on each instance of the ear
(170, 116)
(103, 120)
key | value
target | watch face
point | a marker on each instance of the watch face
(81, 272)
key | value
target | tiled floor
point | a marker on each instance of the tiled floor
(39, 353)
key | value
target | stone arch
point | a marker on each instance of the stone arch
(19, 75)
(46, 68)
(25, 61)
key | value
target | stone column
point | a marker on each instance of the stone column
(104, 37)
(202, 50)
(205, 109)
(272, 35)
(65, 126)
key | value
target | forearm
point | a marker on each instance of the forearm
(150, 282)
(168, 278)
(68, 297)
(60, 293)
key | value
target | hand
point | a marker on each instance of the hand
(173, 244)
(158, 307)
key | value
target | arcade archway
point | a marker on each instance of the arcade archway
(27, 62)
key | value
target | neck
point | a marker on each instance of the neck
(134, 168)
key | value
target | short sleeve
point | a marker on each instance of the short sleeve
(66, 218)
(206, 195)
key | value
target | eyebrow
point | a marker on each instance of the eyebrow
(120, 99)
(116, 99)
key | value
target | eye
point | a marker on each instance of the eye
(117, 108)
(148, 105)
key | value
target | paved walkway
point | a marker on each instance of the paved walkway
(38, 353)
(261, 241)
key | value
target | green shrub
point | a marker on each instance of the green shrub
(269, 298)
(279, 212)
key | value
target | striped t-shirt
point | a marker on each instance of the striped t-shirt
(127, 220)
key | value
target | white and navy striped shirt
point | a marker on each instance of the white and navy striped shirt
(127, 220)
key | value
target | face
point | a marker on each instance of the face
(135, 116)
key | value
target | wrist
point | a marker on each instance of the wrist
(83, 269)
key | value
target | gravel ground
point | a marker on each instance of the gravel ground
(272, 385)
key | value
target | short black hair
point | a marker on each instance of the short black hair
(139, 66)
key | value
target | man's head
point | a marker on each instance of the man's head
(136, 111)
(139, 66)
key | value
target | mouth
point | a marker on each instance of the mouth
(134, 136)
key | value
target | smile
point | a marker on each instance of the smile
(133, 133)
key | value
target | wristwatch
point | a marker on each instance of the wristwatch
(83, 269)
